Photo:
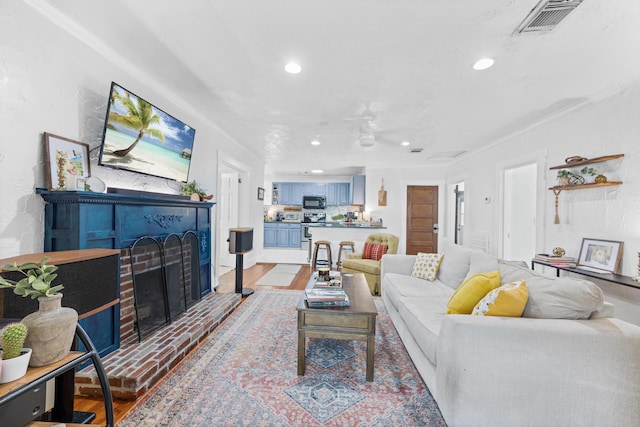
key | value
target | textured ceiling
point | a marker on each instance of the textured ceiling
(409, 62)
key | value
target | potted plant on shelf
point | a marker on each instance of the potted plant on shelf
(567, 177)
(15, 358)
(196, 192)
(52, 327)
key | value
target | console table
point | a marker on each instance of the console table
(613, 278)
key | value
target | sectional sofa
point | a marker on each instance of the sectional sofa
(566, 362)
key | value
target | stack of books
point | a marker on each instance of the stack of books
(559, 261)
(327, 297)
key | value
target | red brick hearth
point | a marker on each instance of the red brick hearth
(135, 367)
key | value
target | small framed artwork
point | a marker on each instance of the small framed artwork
(67, 163)
(260, 193)
(600, 254)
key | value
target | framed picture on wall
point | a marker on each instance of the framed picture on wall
(67, 163)
(600, 255)
(260, 193)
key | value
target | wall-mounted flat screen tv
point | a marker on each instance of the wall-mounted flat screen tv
(140, 137)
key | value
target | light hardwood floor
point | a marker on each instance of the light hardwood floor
(226, 284)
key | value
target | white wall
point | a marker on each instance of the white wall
(54, 81)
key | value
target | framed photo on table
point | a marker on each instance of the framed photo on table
(601, 254)
(67, 163)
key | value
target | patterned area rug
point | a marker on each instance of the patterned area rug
(280, 275)
(246, 374)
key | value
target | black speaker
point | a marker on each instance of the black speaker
(240, 240)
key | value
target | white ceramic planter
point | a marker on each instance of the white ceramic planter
(15, 368)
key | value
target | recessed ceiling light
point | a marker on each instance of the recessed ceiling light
(317, 171)
(293, 68)
(483, 64)
(315, 142)
(405, 143)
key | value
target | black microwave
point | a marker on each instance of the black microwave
(314, 202)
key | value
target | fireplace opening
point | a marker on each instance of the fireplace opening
(166, 279)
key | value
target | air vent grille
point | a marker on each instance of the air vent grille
(547, 14)
(416, 150)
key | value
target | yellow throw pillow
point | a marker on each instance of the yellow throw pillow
(471, 291)
(426, 266)
(508, 301)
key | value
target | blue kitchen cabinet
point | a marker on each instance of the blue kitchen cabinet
(332, 194)
(343, 193)
(282, 235)
(270, 230)
(295, 231)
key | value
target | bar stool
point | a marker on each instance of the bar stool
(345, 245)
(321, 244)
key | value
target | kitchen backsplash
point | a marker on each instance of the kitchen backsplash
(334, 213)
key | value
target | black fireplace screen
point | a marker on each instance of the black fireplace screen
(166, 279)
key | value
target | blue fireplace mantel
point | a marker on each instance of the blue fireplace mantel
(88, 220)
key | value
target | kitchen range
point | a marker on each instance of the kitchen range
(310, 216)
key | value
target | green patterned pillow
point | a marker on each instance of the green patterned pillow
(426, 266)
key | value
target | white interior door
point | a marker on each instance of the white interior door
(519, 214)
(228, 209)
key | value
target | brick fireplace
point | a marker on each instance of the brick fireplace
(84, 220)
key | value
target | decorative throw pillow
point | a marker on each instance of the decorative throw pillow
(508, 301)
(378, 250)
(374, 251)
(366, 251)
(471, 291)
(426, 266)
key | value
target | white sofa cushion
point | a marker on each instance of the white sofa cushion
(455, 264)
(481, 262)
(423, 317)
(555, 298)
(397, 286)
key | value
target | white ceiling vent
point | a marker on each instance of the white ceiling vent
(547, 14)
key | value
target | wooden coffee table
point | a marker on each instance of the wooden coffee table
(356, 322)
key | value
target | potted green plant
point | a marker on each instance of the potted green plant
(15, 358)
(194, 190)
(52, 327)
(567, 177)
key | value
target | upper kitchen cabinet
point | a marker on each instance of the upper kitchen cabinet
(358, 187)
(314, 189)
(338, 194)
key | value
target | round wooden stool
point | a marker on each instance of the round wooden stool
(321, 244)
(345, 245)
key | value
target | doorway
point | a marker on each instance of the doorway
(519, 212)
(422, 219)
(228, 209)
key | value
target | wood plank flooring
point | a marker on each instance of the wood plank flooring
(226, 284)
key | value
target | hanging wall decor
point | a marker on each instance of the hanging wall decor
(382, 195)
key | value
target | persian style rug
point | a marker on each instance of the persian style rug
(245, 374)
(280, 275)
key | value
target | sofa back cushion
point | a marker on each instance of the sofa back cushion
(455, 264)
(559, 298)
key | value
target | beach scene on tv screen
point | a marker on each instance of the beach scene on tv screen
(141, 138)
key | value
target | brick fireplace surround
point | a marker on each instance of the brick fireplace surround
(135, 367)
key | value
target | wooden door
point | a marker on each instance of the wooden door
(422, 219)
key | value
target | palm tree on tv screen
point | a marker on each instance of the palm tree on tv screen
(140, 116)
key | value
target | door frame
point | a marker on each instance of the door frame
(441, 184)
(538, 157)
